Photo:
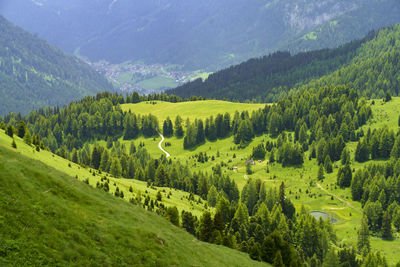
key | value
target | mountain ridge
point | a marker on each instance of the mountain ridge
(200, 35)
(34, 74)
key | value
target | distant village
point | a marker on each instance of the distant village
(140, 72)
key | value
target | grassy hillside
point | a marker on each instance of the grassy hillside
(189, 110)
(34, 74)
(301, 182)
(178, 198)
(51, 218)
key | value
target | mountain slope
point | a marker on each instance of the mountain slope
(371, 66)
(198, 34)
(35, 74)
(49, 218)
(266, 78)
(374, 71)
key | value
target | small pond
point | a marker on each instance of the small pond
(323, 215)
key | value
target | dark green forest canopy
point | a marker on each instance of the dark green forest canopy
(369, 65)
(34, 74)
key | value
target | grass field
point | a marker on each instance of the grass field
(158, 82)
(50, 218)
(191, 110)
(301, 183)
(178, 198)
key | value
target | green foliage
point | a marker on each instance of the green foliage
(320, 175)
(116, 168)
(38, 74)
(269, 76)
(10, 130)
(259, 152)
(212, 196)
(172, 215)
(363, 243)
(344, 176)
(387, 226)
(13, 144)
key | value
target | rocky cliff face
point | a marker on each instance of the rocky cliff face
(305, 15)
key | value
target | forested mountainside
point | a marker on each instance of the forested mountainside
(198, 34)
(374, 71)
(35, 74)
(266, 78)
(371, 66)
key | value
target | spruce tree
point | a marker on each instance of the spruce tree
(27, 137)
(13, 144)
(212, 196)
(10, 130)
(21, 128)
(363, 243)
(321, 175)
(96, 158)
(328, 164)
(206, 227)
(387, 226)
(116, 169)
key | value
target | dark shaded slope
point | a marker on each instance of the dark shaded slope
(35, 74)
(264, 79)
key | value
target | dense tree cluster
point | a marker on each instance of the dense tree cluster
(268, 78)
(374, 71)
(377, 187)
(378, 144)
(91, 118)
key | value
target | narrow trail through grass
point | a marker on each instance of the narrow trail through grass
(340, 199)
(160, 146)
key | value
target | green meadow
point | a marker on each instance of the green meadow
(189, 110)
(53, 219)
(301, 182)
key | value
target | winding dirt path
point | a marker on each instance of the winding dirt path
(160, 147)
(340, 199)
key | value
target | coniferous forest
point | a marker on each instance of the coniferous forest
(282, 160)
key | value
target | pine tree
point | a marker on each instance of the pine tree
(13, 144)
(116, 169)
(75, 158)
(328, 164)
(388, 96)
(162, 176)
(345, 157)
(178, 127)
(363, 243)
(10, 130)
(206, 227)
(21, 128)
(321, 175)
(27, 137)
(188, 222)
(387, 226)
(212, 196)
(172, 215)
(96, 158)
